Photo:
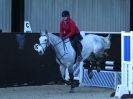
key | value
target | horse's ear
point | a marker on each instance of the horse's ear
(42, 32)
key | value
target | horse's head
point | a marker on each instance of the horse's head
(43, 44)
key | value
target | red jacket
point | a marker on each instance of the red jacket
(68, 28)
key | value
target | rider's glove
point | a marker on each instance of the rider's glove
(65, 37)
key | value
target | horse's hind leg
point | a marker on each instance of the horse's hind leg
(88, 65)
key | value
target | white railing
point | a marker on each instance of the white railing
(97, 32)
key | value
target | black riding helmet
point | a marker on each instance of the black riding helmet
(65, 13)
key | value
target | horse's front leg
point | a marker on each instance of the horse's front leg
(63, 72)
(71, 76)
(71, 73)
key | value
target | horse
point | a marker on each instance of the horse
(66, 55)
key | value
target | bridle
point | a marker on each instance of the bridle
(54, 46)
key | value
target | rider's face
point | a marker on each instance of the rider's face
(65, 18)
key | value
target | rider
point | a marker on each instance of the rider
(68, 29)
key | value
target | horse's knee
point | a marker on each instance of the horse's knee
(70, 69)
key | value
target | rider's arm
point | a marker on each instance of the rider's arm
(61, 29)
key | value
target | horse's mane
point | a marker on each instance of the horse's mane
(54, 36)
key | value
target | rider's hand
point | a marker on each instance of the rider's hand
(63, 38)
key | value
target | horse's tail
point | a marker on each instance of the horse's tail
(108, 37)
(108, 41)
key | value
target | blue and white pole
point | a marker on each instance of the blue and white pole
(126, 86)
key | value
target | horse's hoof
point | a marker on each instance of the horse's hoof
(90, 70)
(90, 75)
(85, 65)
(72, 85)
(98, 69)
(112, 94)
(75, 83)
(67, 82)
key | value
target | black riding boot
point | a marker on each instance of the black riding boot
(79, 56)
(79, 49)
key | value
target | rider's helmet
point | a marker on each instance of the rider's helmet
(65, 13)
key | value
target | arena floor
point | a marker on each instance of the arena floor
(54, 92)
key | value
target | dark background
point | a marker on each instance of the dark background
(25, 65)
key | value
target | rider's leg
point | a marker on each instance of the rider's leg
(79, 49)
(76, 44)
